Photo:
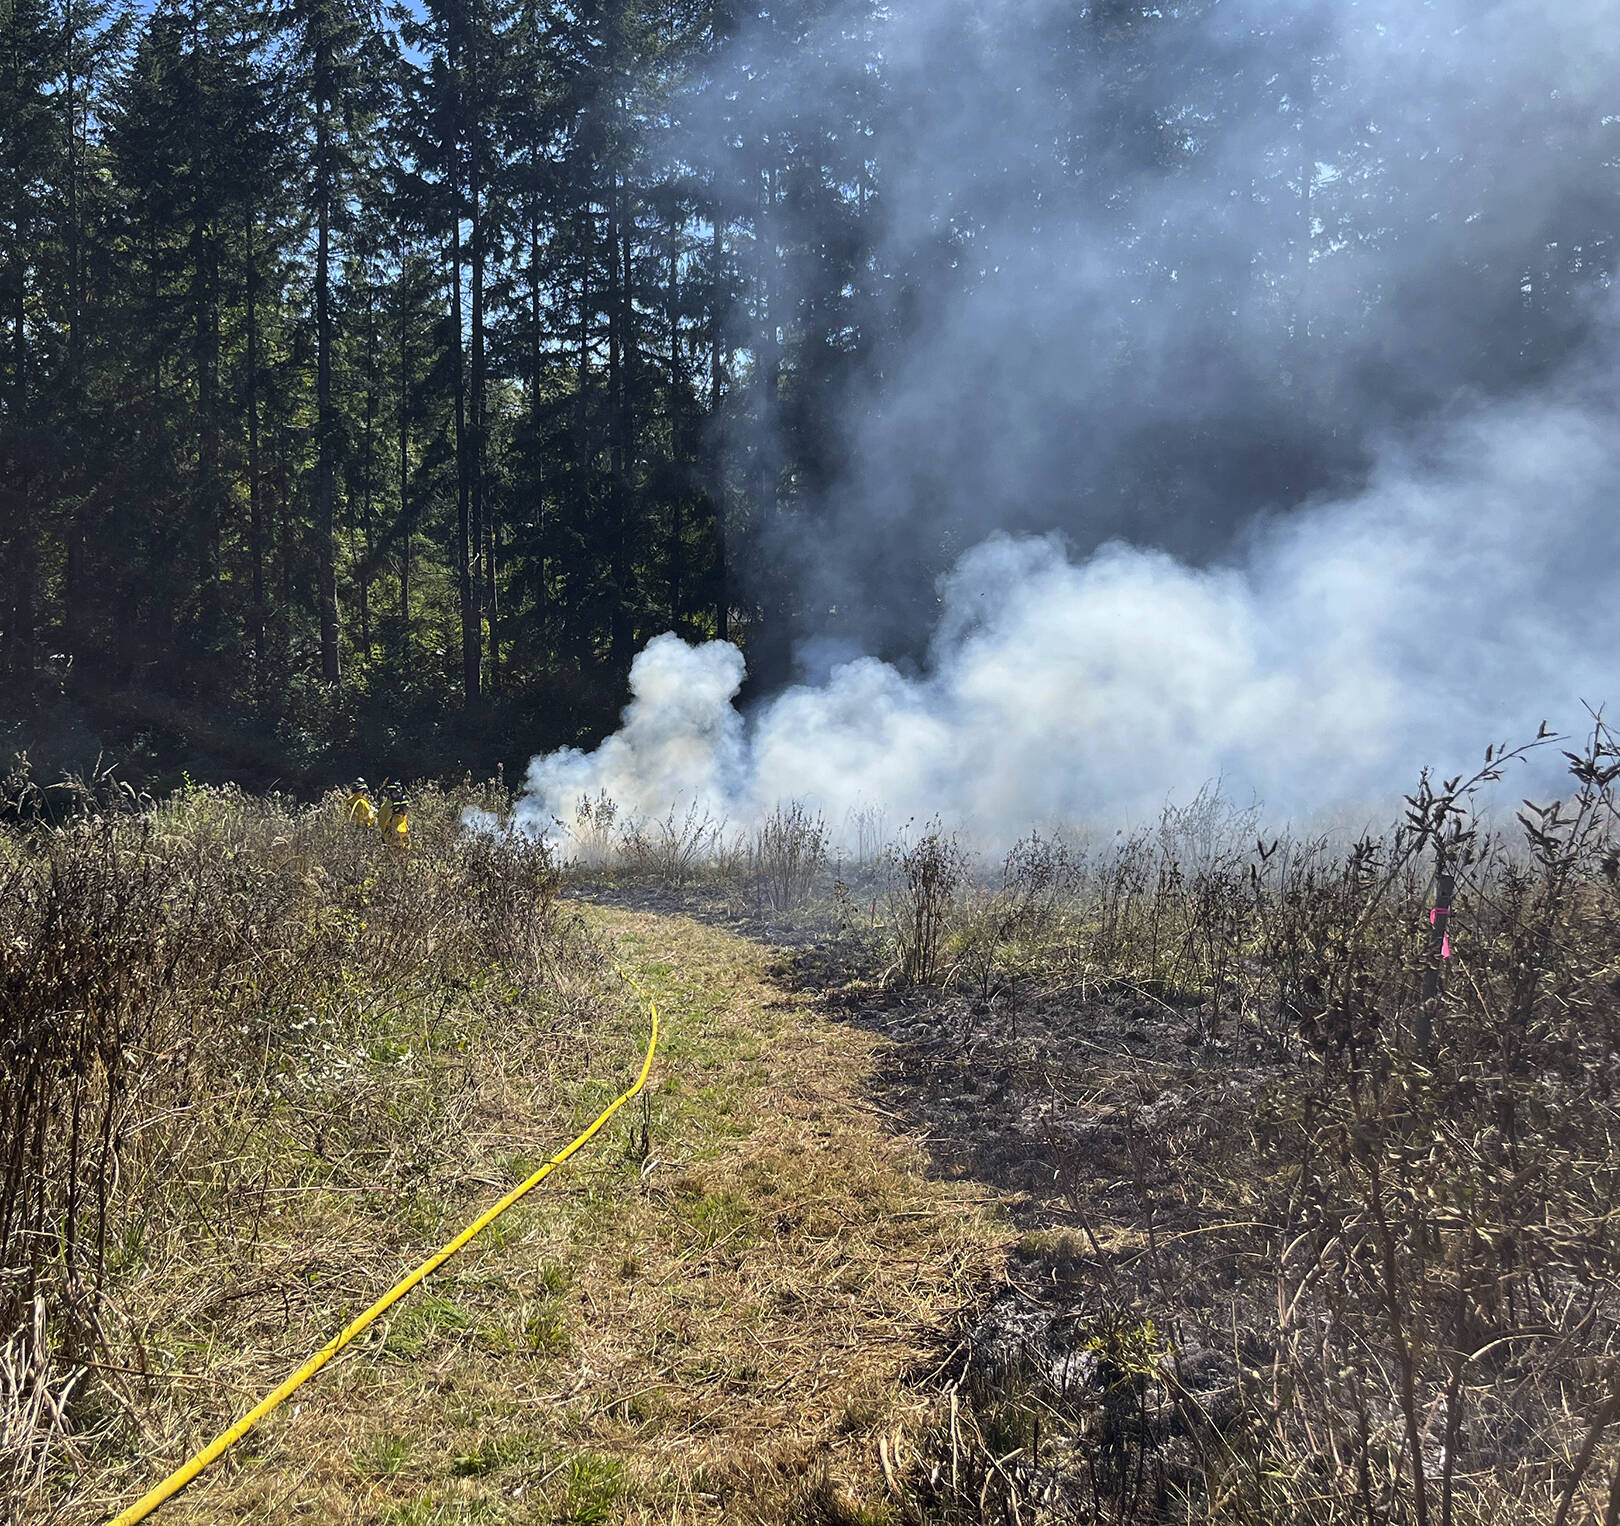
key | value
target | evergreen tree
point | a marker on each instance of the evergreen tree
(30, 158)
(339, 64)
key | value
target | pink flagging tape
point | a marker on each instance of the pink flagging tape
(1445, 946)
(1436, 912)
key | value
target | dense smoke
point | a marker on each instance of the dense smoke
(1435, 612)
(1244, 414)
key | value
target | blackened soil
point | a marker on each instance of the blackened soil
(1120, 1137)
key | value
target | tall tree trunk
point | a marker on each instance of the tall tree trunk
(622, 633)
(1301, 357)
(404, 468)
(73, 586)
(205, 358)
(770, 360)
(470, 635)
(286, 547)
(368, 464)
(538, 486)
(211, 487)
(325, 415)
(155, 351)
(75, 262)
(15, 493)
(478, 528)
(717, 388)
(774, 636)
(677, 412)
(256, 546)
(74, 531)
(492, 602)
(585, 465)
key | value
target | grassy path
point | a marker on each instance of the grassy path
(714, 1314)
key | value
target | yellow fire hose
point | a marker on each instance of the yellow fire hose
(188, 1470)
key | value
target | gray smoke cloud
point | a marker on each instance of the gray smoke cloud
(1131, 318)
(1460, 599)
(1243, 412)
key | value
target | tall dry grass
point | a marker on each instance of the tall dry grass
(196, 992)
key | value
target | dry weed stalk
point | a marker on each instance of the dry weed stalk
(787, 852)
(923, 880)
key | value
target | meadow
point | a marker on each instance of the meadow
(1243, 1178)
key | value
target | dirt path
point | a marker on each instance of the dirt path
(716, 1314)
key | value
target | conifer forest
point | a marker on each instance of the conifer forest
(368, 367)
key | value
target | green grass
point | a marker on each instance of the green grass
(496, 1453)
(593, 1486)
(423, 1324)
(383, 1457)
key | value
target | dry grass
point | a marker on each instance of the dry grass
(720, 1326)
(1319, 1227)
(717, 1311)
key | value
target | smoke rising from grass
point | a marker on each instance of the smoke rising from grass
(1464, 597)
(1260, 356)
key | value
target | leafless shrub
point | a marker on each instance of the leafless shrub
(594, 834)
(866, 833)
(510, 882)
(99, 931)
(673, 848)
(1000, 930)
(1207, 832)
(923, 880)
(787, 852)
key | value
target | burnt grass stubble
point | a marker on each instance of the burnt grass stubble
(1317, 1225)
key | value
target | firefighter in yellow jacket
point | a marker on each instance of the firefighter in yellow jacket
(358, 807)
(394, 823)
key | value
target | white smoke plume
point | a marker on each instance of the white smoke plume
(1161, 272)
(1461, 599)
(1121, 309)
